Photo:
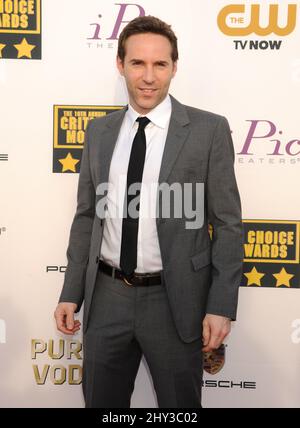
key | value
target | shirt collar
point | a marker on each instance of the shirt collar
(159, 116)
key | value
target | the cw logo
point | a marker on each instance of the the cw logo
(225, 18)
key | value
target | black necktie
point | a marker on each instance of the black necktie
(130, 225)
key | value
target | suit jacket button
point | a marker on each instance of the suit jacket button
(97, 260)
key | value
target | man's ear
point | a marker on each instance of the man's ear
(174, 68)
(120, 66)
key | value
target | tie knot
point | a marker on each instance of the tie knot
(143, 122)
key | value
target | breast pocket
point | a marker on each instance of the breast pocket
(187, 174)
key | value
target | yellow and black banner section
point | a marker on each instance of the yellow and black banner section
(20, 29)
(271, 254)
(70, 123)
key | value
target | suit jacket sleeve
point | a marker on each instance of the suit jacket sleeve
(224, 214)
(80, 234)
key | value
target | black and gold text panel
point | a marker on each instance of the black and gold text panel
(20, 29)
(70, 123)
(271, 253)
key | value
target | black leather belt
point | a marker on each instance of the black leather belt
(134, 280)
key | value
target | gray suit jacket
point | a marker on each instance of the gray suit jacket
(201, 275)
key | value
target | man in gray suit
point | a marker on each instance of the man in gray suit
(158, 286)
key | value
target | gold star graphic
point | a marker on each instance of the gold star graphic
(24, 49)
(283, 278)
(1, 47)
(254, 277)
(69, 163)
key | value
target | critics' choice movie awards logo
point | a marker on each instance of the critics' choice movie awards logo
(271, 254)
(56, 361)
(260, 21)
(20, 29)
(103, 33)
(70, 123)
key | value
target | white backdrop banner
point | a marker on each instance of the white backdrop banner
(57, 72)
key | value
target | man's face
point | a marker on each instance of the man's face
(148, 69)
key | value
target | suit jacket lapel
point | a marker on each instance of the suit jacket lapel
(177, 134)
(108, 139)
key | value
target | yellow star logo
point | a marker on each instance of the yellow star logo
(1, 47)
(254, 277)
(69, 163)
(283, 278)
(24, 49)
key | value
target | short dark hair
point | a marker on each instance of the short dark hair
(147, 24)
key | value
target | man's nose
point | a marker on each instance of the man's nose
(149, 76)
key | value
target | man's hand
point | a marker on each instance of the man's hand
(64, 317)
(215, 329)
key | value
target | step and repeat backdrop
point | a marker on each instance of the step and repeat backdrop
(57, 72)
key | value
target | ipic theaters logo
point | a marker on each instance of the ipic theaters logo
(271, 254)
(103, 33)
(54, 371)
(70, 123)
(260, 21)
(266, 142)
(20, 29)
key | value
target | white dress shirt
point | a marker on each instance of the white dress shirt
(148, 251)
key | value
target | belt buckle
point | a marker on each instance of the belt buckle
(126, 279)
